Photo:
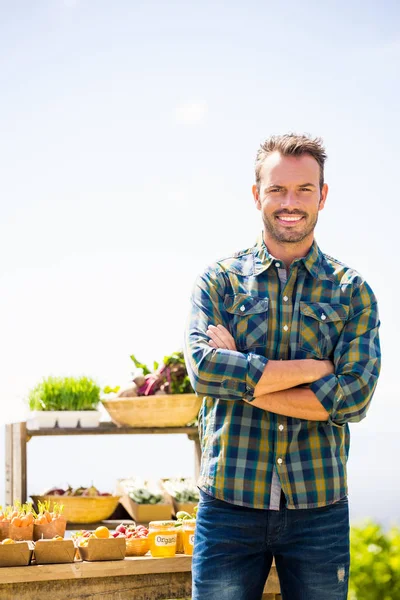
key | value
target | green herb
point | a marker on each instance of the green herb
(65, 393)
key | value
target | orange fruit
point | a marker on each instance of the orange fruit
(8, 541)
(102, 532)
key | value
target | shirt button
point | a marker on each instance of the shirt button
(285, 298)
(281, 428)
(323, 317)
(242, 308)
(280, 461)
(285, 328)
(277, 264)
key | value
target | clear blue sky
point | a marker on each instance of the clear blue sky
(128, 132)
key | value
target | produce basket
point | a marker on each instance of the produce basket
(137, 546)
(83, 509)
(169, 410)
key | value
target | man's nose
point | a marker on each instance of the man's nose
(289, 200)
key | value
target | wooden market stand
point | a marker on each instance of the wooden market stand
(142, 578)
(18, 435)
(135, 578)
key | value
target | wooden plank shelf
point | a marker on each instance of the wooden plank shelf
(108, 428)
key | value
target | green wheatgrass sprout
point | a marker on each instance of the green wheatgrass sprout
(65, 393)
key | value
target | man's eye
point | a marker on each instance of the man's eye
(275, 190)
(306, 189)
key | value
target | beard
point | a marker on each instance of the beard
(290, 235)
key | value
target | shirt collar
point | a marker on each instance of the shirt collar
(263, 259)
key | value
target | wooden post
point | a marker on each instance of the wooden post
(9, 465)
(197, 453)
(16, 463)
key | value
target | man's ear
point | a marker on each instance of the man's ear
(324, 194)
(256, 196)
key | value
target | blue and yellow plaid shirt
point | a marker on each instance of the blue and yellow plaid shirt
(324, 311)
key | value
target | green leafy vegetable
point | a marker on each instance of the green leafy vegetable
(170, 377)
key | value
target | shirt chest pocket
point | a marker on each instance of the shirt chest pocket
(321, 324)
(248, 319)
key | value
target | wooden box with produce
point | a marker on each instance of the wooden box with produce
(15, 554)
(160, 398)
(182, 492)
(144, 501)
(21, 522)
(53, 551)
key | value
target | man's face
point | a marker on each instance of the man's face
(289, 197)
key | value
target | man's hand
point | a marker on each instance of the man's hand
(220, 337)
(324, 368)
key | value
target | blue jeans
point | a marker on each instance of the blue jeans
(234, 547)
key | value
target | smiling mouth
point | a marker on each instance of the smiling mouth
(289, 220)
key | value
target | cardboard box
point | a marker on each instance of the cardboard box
(177, 506)
(21, 533)
(16, 555)
(4, 530)
(144, 513)
(107, 549)
(54, 551)
(49, 530)
(186, 506)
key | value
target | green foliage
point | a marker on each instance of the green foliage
(140, 365)
(375, 563)
(65, 393)
(179, 382)
(171, 376)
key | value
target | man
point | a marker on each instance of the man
(282, 342)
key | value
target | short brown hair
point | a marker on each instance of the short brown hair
(291, 144)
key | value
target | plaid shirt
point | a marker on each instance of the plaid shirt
(324, 311)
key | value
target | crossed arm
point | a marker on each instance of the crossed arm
(278, 389)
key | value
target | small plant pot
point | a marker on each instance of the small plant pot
(42, 419)
(68, 418)
(89, 418)
(72, 418)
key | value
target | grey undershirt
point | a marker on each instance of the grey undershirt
(276, 487)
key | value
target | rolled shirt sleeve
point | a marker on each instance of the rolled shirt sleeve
(347, 394)
(218, 373)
